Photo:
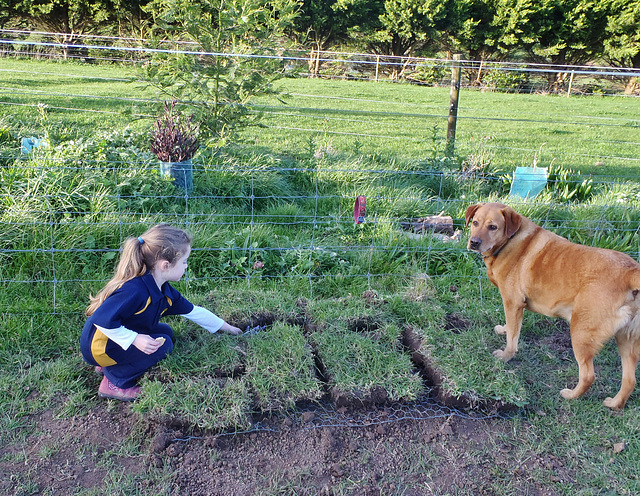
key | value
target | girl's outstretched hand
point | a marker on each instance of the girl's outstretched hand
(146, 344)
(230, 329)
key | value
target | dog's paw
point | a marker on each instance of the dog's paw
(613, 404)
(568, 394)
(501, 330)
(503, 355)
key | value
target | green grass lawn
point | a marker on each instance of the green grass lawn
(400, 122)
(337, 298)
(595, 135)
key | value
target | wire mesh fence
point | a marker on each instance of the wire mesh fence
(285, 211)
(521, 77)
(71, 239)
(278, 210)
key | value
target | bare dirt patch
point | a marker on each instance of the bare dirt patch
(443, 454)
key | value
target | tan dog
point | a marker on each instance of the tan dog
(594, 289)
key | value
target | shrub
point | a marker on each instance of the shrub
(172, 139)
(506, 79)
(431, 74)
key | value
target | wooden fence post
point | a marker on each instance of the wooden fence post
(310, 61)
(570, 84)
(453, 104)
(317, 67)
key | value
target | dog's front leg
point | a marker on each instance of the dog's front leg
(513, 313)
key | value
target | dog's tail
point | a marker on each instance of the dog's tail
(631, 306)
(633, 284)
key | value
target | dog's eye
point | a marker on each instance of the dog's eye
(492, 227)
(474, 223)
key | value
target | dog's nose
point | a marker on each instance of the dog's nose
(474, 243)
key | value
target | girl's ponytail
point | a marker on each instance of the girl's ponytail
(132, 261)
(139, 255)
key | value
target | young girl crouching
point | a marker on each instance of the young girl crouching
(123, 336)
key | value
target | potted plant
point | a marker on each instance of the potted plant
(174, 141)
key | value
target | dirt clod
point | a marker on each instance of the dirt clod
(160, 442)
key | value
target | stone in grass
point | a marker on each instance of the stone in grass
(435, 223)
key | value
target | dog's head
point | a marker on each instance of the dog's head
(492, 225)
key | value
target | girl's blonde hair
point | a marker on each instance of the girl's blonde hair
(140, 255)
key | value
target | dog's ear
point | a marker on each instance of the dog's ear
(471, 210)
(512, 221)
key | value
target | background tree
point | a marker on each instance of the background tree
(228, 36)
(399, 27)
(558, 32)
(319, 23)
(361, 19)
(5, 14)
(69, 19)
(132, 20)
(408, 26)
(476, 33)
(622, 43)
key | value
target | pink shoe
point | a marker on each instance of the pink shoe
(108, 390)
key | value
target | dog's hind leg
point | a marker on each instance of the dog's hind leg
(629, 352)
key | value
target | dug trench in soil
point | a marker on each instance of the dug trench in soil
(434, 377)
(378, 396)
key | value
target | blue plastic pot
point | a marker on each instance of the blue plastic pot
(181, 172)
(528, 182)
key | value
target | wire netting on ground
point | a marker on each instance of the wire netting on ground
(319, 416)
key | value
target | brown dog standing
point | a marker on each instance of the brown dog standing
(594, 289)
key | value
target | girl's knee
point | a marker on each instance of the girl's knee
(163, 329)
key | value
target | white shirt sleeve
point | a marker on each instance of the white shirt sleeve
(122, 336)
(203, 317)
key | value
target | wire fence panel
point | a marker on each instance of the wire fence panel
(279, 208)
